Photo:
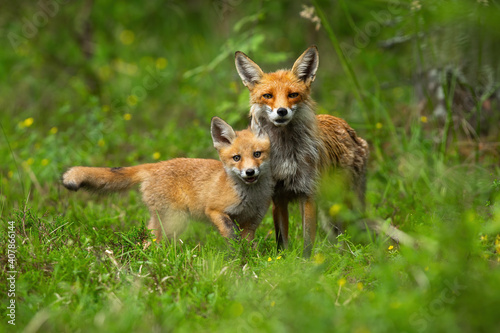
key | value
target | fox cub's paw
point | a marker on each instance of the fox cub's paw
(73, 178)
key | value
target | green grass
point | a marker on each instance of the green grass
(80, 261)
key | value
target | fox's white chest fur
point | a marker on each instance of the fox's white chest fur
(295, 151)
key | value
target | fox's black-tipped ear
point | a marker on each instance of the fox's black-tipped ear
(306, 65)
(222, 134)
(250, 73)
(257, 129)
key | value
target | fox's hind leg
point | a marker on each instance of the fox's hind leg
(167, 223)
(154, 226)
(308, 212)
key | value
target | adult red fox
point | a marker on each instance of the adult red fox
(233, 193)
(302, 143)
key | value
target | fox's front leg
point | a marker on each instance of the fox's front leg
(280, 218)
(308, 212)
(223, 222)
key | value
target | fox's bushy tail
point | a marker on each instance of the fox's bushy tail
(104, 179)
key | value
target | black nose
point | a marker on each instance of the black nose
(282, 112)
(250, 172)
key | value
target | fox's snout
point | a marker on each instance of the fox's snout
(244, 154)
(281, 116)
(250, 175)
(280, 95)
(249, 172)
(282, 112)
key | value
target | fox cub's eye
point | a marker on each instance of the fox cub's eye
(257, 154)
(293, 95)
(236, 158)
(267, 96)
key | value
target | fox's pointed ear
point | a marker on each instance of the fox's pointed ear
(250, 73)
(222, 134)
(257, 129)
(306, 65)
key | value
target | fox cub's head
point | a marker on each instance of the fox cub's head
(279, 95)
(244, 154)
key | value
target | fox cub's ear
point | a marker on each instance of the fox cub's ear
(248, 70)
(306, 65)
(257, 129)
(222, 134)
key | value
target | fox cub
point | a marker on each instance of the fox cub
(233, 193)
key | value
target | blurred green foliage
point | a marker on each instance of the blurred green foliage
(115, 84)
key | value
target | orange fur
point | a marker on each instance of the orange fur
(234, 190)
(303, 144)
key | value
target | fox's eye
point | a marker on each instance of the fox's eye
(293, 95)
(257, 154)
(236, 158)
(267, 96)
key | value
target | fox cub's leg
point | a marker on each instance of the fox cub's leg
(248, 234)
(223, 222)
(280, 218)
(154, 226)
(169, 223)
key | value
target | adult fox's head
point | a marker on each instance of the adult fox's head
(244, 154)
(280, 95)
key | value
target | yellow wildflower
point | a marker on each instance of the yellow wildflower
(378, 125)
(423, 119)
(127, 116)
(132, 100)
(278, 257)
(45, 162)
(390, 247)
(318, 258)
(342, 282)
(101, 143)
(161, 63)
(273, 303)
(335, 209)
(359, 285)
(53, 130)
(156, 155)
(269, 259)
(127, 37)
(28, 122)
